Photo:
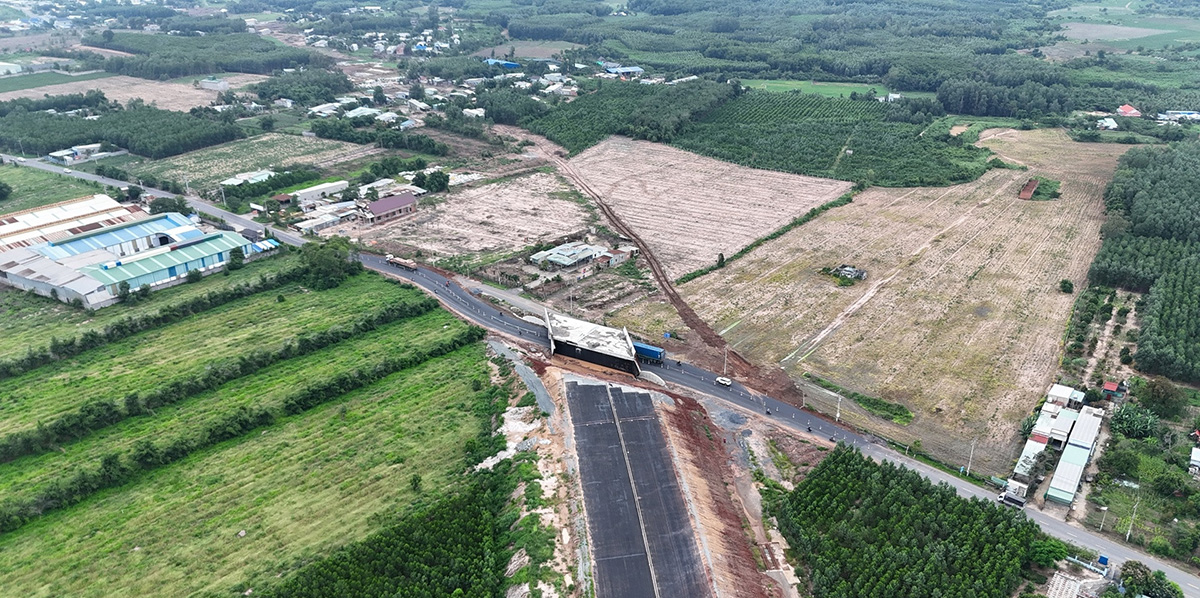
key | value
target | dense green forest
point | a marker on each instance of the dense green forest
(308, 88)
(1152, 243)
(171, 56)
(863, 529)
(143, 130)
(965, 52)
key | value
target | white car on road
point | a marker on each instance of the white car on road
(67, 171)
(723, 381)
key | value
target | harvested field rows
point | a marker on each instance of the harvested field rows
(499, 217)
(168, 96)
(243, 513)
(204, 168)
(153, 358)
(689, 208)
(961, 317)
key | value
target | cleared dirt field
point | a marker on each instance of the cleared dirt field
(208, 166)
(495, 218)
(961, 316)
(1107, 32)
(169, 96)
(689, 208)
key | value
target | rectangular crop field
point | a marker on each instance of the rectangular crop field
(239, 515)
(168, 96)
(690, 208)
(833, 90)
(205, 168)
(30, 321)
(156, 357)
(32, 188)
(269, 386)
(19, 82)
(960, 318)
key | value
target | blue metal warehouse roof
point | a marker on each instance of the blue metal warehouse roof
(116, 235)
(215, 243)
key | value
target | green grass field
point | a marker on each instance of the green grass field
(299, 489)
(268, 387)
(832, 90)
(20, 82)
(206, 167)
(28, 321)
(151, 359)
(33, 188)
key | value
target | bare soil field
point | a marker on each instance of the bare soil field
(496, 218)
(169, 96)
(1094, 31)
(960, 318)
(689, 208)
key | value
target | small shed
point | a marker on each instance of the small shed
(1028, 190)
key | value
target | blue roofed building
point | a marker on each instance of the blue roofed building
(507, 64)
(88, 263)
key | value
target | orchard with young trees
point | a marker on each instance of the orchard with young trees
(863, 529)
(1152, 243)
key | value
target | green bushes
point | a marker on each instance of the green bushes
(171, 56)
(102, 413)
(651, 112)
(454, 547)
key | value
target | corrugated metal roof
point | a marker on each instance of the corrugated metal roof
(1069, 472)
(1028, 456)
(215, 243)
(177, 226)
(1087, 429)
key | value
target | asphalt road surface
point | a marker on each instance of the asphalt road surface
(480, 312)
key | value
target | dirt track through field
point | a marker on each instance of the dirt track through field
(168, 96)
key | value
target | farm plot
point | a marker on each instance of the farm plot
(495, 218)
(268, 387)
(30, 321)
(168, 96)
(156, 357)
(208, 166)
(961, 316)
(32, 188)
(253, 508)
(689, 208)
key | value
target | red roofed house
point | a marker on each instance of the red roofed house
(1129, 111)
(1114, 390)
(391, 207)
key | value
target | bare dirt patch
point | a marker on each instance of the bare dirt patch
(1092, 31)
(960, 318)
(528, 49)
(496, 218)
(689, 208)
(169, 96)
(957, 130)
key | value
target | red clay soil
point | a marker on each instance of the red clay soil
(769, 379)
(1028, 190)
(689, 420)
